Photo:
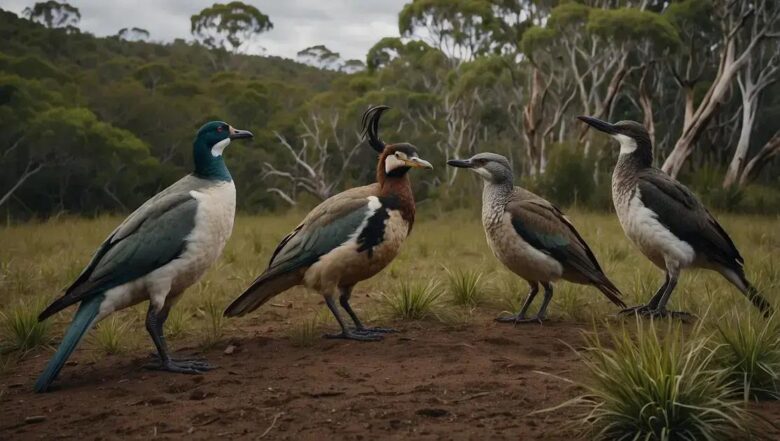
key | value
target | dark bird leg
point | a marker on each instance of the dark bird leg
(154, 325)
(652, 304)
(660, 309)
(346, 293)
(520, 317)
(548, 294)
(347, 333)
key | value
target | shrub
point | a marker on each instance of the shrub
(464, 287)
(412, 300)
(642, 386)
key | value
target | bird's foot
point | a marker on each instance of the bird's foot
(665, 313)
(372, 330)
(517, 319)
(638, 309)
(181, 366)
(356, 335)
(156, 357)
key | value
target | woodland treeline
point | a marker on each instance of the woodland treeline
(91, 125)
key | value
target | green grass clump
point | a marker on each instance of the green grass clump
(306, 332)
(212, 310)
(464, 287)
(111, 334)
(749, 347)
(20, 327)
(413, 300)
(642, 386)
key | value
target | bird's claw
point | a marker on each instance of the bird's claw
(638, 309)
(375, 330)
(181, 366)
(353, 335)
(517, 319)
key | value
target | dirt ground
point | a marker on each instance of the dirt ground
(428, 382)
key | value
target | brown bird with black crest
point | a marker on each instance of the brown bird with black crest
(348, 238)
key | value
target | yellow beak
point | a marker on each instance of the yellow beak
(416, 162)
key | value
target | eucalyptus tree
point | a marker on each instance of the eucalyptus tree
(232, 27)
(53, 14)
(739, 29)
(133, 34)
(320, 56)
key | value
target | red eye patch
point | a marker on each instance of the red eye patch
(219, 129)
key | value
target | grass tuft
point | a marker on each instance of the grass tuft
(464, 287)
(413, 300)
(306, 332)
(212, 310)
(21, 329)
(641, 386)
(749, 347)
(111, 334)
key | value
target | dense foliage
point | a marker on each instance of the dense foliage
(98, 124)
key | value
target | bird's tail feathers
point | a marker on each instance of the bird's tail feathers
(82, 322)
(262, 290)
(610, 291)
(737, 277)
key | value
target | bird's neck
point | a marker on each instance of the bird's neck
(399, 190)
(495, 196)
(208, 166)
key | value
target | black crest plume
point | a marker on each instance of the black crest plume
(370, 125)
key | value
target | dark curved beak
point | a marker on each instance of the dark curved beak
(460, 163)
(239, 134)
(598, 124)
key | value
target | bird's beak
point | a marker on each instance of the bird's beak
(239, 134)
(415, 162)
(598, 124)
(460, 163)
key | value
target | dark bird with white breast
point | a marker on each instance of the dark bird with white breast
(664, 219)
(348, 238)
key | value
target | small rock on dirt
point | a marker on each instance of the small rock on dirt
(230, 349)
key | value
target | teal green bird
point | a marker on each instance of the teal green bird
(161, 249)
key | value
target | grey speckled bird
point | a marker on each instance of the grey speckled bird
(532, 237)
(666, 221)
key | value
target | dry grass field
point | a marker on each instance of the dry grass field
(451, 373)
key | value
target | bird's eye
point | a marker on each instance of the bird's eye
(219, 129)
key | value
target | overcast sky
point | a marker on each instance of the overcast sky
(349, 27)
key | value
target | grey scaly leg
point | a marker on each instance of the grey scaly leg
(154, 325)
(652, 304)
(346, 333)
(660, 310)
(548, 294)
(520, 317)
(346, 293)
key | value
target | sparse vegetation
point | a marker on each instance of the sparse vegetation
(111, 336)
(305, 332)
(21, 329)
(413, 300)
(464, 287)
(748, 345)
(644, 385)
(212, 310)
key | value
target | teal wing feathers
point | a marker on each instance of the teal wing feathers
(152, 236)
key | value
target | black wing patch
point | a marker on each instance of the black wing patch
(374, 232)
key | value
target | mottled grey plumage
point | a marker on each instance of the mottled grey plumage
(666, 221)
(531, 236)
